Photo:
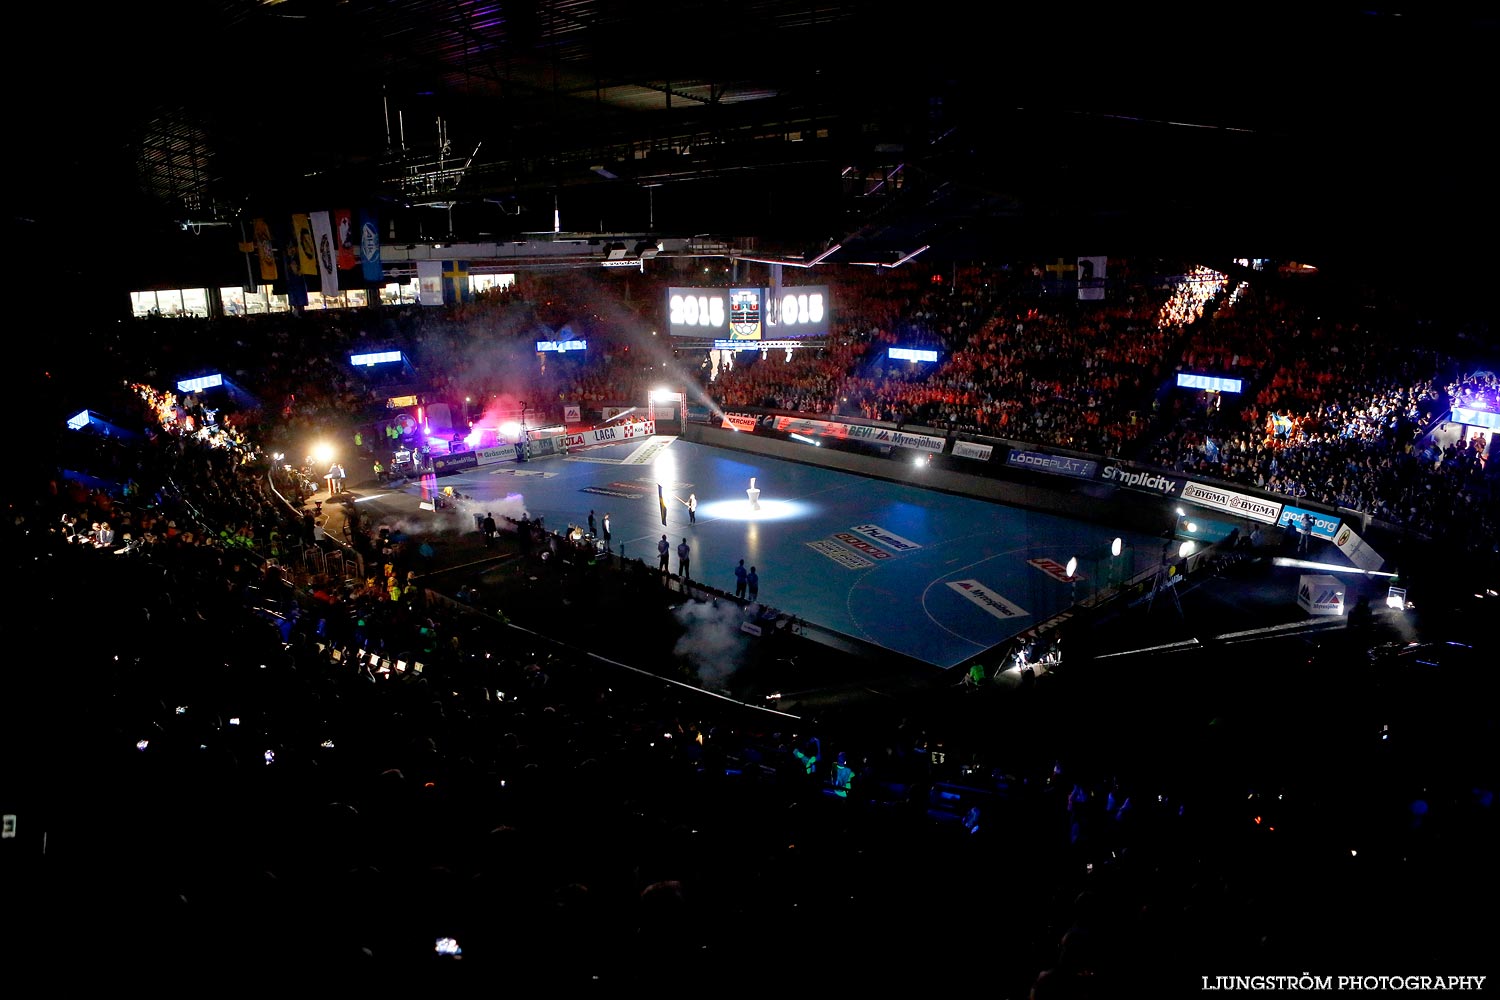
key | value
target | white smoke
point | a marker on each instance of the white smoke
(456, 519)
(712, 643)
(512, 507)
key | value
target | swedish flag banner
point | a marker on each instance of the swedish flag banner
(455, 281)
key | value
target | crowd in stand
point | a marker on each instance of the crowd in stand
(387, 779)
(1013, 363)
(300, 793)
(1344, 415)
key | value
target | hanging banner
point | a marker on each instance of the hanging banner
(328, 273)
(430, 282)
(369, 247)
(1091, 277)
(265, 250)
(346, 240)
(307, 247)
(296, 285)
(572, 413)
(456, 282)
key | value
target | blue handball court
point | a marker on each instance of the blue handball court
(932, 576)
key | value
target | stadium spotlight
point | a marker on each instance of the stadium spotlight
(1117, 546)
(322, 451)
(1192, 527)
(662, 395)
(1187, 549)
(1072, 567)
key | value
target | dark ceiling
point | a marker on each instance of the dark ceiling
(1264, 129)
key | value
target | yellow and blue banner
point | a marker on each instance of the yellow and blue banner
(455, 281)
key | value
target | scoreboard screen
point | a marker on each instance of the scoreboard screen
(749, 314)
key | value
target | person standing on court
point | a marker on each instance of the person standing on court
(752, 584)
(663, 552)
(489, 529)
(593, 527)
(692, 506)
(739, 580)
(683, 552)
(605, 522)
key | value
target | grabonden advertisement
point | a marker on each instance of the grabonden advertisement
(966, 449)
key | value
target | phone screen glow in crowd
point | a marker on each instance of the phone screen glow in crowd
(749, 314)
